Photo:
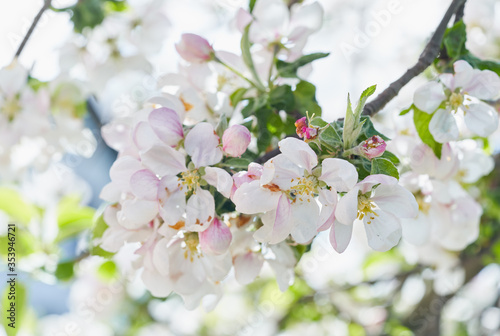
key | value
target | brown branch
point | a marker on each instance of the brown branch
(46, 4)
(430, 52)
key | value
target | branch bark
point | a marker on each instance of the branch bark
(430, 52)
(46, 5)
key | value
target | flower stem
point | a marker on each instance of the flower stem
(255, 85)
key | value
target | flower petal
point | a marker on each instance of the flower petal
(339, 174)
(278, 228)
(340, 236)
(484, 85)
(167, 125)
(144, 184)
(305, 217)
(396, 200)
(220, 179)
(200, 210)
(136, 213)
(202, 144)
(443, 126)
(247, 267)
(428, 97)
(216, 239)
(347, 208)
(481, 119)
(299, 152)
(144, 137)
(251, 198)
(164, 160)
(383, 231)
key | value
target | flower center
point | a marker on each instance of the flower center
(306, 186)
(187, 106)
(192, 241)
(11, 107)
(365, 208)
(456, 100)
(191, 180)
(423, 204)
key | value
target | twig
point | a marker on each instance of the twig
(430, 52)
(46, 4)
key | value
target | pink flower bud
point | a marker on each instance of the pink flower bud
(216, 239)
(194, 48)
(304, 131)
(235, 140)
(372, 147)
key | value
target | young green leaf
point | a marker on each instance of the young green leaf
(421, 120)
(384, 166)
(289, 69)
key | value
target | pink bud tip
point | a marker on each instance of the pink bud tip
(194, 49)
(373, 147)
(304, 131)
(216, 239)
(235, 140)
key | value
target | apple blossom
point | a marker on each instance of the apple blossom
(216, 239)
(461, 92)
(235, 140)
(304, 131)
(372, 147)
(194, 48)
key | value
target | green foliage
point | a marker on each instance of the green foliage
(245, 46)
(384, 166)
(289, 70)
(72, 218)
(237, 96)
(65, 270)
(107, 271)
(421, 120)
(236, 163)
(305, 99)
(12, 203)
(353, 123)
(282, 98)
(91, 13)
(21, 303)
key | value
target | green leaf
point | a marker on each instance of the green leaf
(73, 218)
(289, 70)
(13, 204)
(406, 111)
(65, 270)
(362, 100)
(275, 125)
(282, 98)
(421, 120)
(391, 157)
(254, 104)
(107, 271)
(247, 57)
(237, 96)
(330, 137)
(264, 136)
(16, 296)
(454, 40)
(236, 163)
(221, 126)
(305, 99)
(384, 166)
(318, 122)
(369, 130)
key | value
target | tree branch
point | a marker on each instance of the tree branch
(430, 52)
(46, 4)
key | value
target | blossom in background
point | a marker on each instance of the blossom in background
(194, 48)
(462, 92)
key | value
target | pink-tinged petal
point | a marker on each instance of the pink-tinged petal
(137, 213)
(443, 126)
(347, 207)
(396, 200)
(339, 174)
(111, 192)
(328, 200)
(116, 134)
(164, 160)
(428, 97)
(383, 231)
(144, 137)
(220, 179)
(167, 125)
(484, 85)
(243, 19)
(200, 210)
(284, 172)
(481, 119)
(371, 180)
(235, 140)
(144, 184)
(202, 144)
(251, 198)
(194, 48)
(160, 257)
(157, 284)
(305, 217)
(372, 147)
(299, 153)
(122, 169)
(423, 160)
(216, 239)
(279, 227)
(340, 236)
(247, 267)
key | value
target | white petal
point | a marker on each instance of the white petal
(339, 174)
(167, 125)
(481, 119)
(220, 179)
(161, 257)
(137, 213)
(200, 210)
(283, 172)
(347, 208)
(251, 198)
(144, 137)
(247, 267)
(396, 200)
(202, 144)
(299, 152)
(305, 216)
(428, 97)
(164, 160)
(416, 231)
(144, 184)
(443, 126)
(340, 236)
(383, 232)
(328, 200)
(276, 227)
(156, 283)
(122, 169)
